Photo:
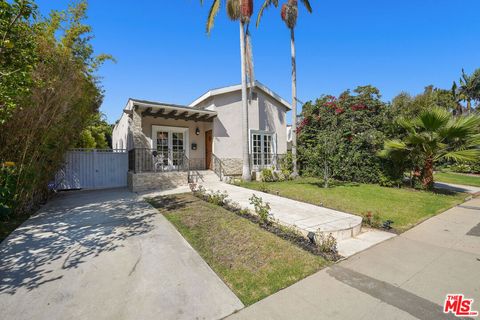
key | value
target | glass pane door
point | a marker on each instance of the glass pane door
(162, 150)
(177, 148)
(267, 150)
(256, 149)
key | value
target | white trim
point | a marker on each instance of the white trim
(234, 88)
(184, 130)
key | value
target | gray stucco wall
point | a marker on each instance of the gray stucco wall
(265, 113)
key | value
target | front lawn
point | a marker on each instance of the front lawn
(254, 263)
(458, 178)
(406, 207)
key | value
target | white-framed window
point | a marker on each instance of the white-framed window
(262, 148)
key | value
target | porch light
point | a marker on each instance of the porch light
(197, 131)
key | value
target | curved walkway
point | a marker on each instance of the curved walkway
(106, 255)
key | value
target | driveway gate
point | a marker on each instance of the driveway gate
(93, 169)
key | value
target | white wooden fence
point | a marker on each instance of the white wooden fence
(93, 169)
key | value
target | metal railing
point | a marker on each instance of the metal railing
(151, 160)
(259, 161)
(218, 167)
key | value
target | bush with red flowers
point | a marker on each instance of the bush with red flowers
(347, 131)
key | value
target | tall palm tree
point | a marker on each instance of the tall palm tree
(469, 88)
(239, 10)
(289, 15)
(435, 135)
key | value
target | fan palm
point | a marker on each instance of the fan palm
(289, 15)
(435, 135)
(240, 10)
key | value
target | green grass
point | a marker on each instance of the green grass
(458, 178)
(251, 261)
(406, 207)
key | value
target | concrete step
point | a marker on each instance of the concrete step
(203, 176)
(366, 239)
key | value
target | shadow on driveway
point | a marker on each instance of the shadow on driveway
(71, 230)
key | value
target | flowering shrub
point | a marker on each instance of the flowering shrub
(342, 136)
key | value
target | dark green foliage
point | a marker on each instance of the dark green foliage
(344, 135)
(61, 96)
(18, 54)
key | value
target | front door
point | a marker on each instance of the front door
(170, 144)
(208, 148)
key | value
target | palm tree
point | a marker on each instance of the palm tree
(469, 88)
(289, 15)
(239, 10)
(435, 135)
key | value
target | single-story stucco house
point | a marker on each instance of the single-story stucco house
(207, 134)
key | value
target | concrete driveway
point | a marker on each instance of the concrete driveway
(406, 277)
(106, 255)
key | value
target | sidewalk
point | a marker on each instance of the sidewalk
(406, 277)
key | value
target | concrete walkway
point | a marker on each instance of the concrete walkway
(406, 277)
(457, 187)
(106, 255)
(345, 227)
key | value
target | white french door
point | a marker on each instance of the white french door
(262, 149)
(171, 146)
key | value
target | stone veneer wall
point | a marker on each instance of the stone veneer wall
(232, 166)
(151, 181)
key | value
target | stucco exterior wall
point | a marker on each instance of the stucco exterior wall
(194, 155)
(120, 134)
(265, 113)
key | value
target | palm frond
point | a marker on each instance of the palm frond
(212, 14)
(468, 155)
(435, 118)
(307, 5)
(265, 5)
(460, 127)
(406, 124)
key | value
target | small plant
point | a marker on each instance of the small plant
(372, 219)
(217, 198)
(268, 175)
(326, 243)
(261, 209)
(264, 188)
(198, 191)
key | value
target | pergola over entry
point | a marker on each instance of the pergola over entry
(171, 111)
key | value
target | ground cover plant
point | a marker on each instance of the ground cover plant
(406, 207)
(253, 262)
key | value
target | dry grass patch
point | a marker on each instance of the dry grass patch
(254, 263)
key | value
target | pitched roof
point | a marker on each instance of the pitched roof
(238, 87)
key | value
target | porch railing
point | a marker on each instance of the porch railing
(218, 167)
(151, 160)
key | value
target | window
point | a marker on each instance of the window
(262, 149)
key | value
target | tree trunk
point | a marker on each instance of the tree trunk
(469, 106)
(427, 177)
(294, 105)
(246, 173)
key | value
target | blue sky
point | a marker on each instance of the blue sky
(164, 54)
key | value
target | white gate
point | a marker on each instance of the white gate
(93, 169)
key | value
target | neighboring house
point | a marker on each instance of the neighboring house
(207, 134)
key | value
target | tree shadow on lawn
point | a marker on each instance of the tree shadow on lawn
(64, 235)
(170, 203)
